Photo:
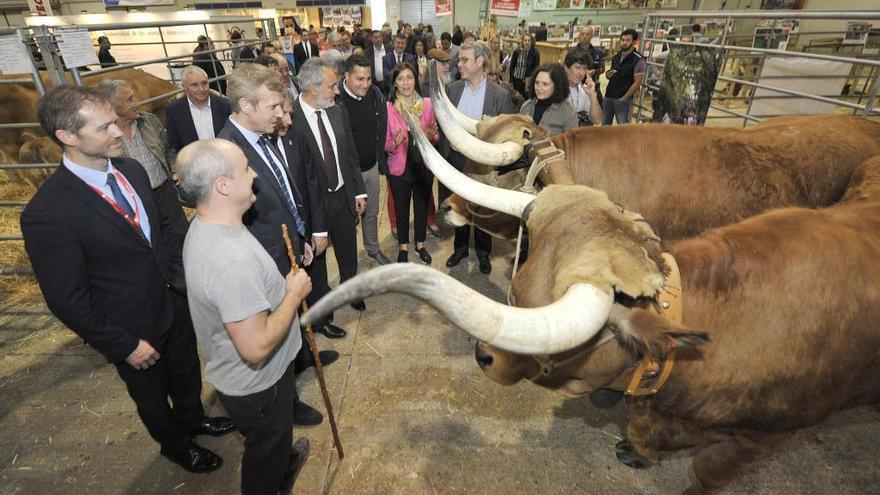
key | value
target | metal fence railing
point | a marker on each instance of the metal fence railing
(742, 62)
(41, 40)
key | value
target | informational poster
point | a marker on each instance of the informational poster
(76, 47)
(138, 44)
(13, 56)
(442, 7)
(504, 8)
(689, 77)
(544, 5)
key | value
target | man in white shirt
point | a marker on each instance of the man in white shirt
(334, 154)
(375, 53)
(199, 115)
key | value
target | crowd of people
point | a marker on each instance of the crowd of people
(298, 139)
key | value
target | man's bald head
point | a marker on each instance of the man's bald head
(201, 163)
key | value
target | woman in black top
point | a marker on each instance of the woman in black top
(523, 62)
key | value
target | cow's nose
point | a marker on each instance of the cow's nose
(484, 359)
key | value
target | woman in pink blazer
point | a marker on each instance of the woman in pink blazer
(408, 177)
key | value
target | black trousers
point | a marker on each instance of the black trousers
(266, 421)
(404, 192)
(482, 240)
(342, 228)
(176, 375)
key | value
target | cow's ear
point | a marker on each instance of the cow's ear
(642, 331)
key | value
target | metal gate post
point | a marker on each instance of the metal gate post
(49, 48)
(35, 71)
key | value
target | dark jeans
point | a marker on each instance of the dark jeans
(266, 421)
(176, 375)
(615, 107)
(405, 192)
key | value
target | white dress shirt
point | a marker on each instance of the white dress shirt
(378, 55)
(312, 119)
(202, 119)
(308, 48)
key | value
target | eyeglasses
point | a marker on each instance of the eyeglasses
(464, 60)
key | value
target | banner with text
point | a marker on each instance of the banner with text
(504, 8)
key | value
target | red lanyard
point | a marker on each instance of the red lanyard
(136, 221)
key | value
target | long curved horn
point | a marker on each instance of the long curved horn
(503, 200)
(459, 135)
(439, 97)
(565, 324)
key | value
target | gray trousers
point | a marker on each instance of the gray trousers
(370, 218)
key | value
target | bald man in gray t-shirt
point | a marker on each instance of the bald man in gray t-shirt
(244, 313)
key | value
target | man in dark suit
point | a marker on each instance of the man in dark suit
(200, 115)
(109, 265)
(375, 53)
(333, 151)
(305, 49)
(475, 96)
(396, 56)
(280, 198)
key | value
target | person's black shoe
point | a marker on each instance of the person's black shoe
(216, 426)
(299, 454)
(485, 265)
(195, 459)
(359, 305)
(330, 331)
(424, 255)
(456, 257)
(327, 358)
(306, 415)
(403, 256)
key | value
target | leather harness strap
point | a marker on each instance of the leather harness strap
(670, 307)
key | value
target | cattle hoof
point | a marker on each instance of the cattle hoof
(626, 454)
(605, 398)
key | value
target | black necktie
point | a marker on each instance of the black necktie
(329, 156)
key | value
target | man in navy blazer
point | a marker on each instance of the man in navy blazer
(200, 115)
(396, 56)
(110, 267)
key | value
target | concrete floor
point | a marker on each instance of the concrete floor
(416, 416)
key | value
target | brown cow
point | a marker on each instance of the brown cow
(18, 104)
(687, 179)
(780, 316)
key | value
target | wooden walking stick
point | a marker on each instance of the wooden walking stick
(310, 336)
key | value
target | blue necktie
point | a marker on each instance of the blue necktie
(270, 157)
(118, 196)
